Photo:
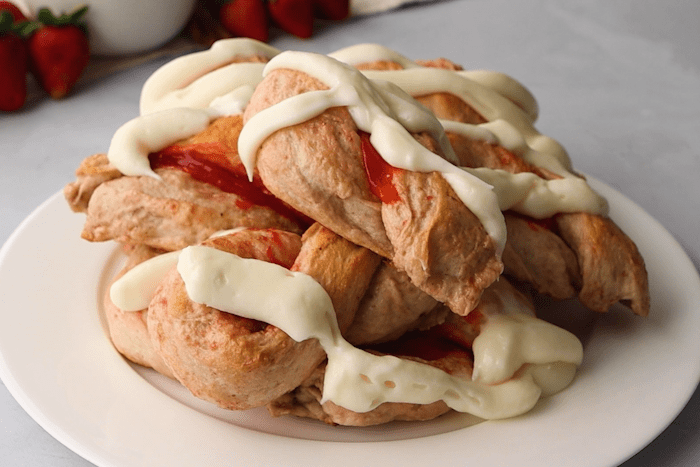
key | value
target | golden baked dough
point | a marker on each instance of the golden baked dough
(128, 330)
(177, 211)
(317, 167)
(236, 363)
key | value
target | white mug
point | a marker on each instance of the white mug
(122, 27)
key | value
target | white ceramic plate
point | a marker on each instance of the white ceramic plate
(56, 359)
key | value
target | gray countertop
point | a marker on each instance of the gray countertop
(618, 84)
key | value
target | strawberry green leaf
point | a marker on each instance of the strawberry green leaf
(27, 28)
(75, 18)
(6, 20)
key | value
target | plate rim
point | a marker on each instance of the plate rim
(329, 450)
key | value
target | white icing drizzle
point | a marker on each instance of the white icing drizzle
(195, 79)
(233, 103)
(206, 75)
(383, 111)
(360, 381)
(223, 233)
(487, 102)
(201, 92)
(136, 288)
(499, 82)
(136, 139)
(508, 342)
(366, 53)
(493, 95)
(354, 379)
(511, 339)
(529, 194)
(183, 96)
(506, 86)
(552, 377)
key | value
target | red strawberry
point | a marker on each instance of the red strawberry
(335, 10)
(245, 18)
(13, 66)
(294, 16)
(58, 50)
(16, 13)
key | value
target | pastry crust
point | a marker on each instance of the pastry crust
(240, 363)
(234, 362)
(444, 346)
(128, 330)
(391, 306)
(611, 269)
(343, 269)
(439, 243)
(536, 255)
(174, 212)
(92, 172)
(317, 167)
(415, 275)
(305, 401)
